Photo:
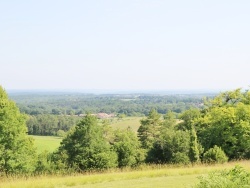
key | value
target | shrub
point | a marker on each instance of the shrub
(215, 155)
(60, 133)
(236, 177)
(180, 158)
(43, 164)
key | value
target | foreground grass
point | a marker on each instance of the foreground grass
(147, 176)
(49, 143)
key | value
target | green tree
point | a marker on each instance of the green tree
(194, 153)
(86, 147)
(127, 146)
(225, 122)
(169, 119)
(108, 132)
(171, 147)
(150, 129)
(215, 155)
(17, 154)
(188, 117)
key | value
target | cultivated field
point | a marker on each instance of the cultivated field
(145, 177)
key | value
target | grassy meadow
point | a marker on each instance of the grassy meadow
(49, 143)
(144, 177)
(124, 123)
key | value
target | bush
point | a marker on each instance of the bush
(180, 158)
(43, 164)
(236, 177)
(61, 133)
(215, 155)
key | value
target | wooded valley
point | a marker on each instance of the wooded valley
(209, 130)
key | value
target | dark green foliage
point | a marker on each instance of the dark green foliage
(169, 120)
(17, 154)
(171, 147)
(44, 164)
(227, 127)
(149, 129)
(236, 177)
(180, 158)
(163, 143)
(175, 142)
(59, 162)
(127, 147)
(194, 153)
(224, 121)
(188, 117)
(86, 147)
(215, 155)
(49, 125)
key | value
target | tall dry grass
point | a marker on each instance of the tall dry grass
(117, 175)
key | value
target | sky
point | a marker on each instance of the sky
(124, 45)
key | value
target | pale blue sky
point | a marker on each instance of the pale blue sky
(125, 45)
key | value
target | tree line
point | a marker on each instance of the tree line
(54, 114)
(50, 125)
(217, 133)
(130, 105)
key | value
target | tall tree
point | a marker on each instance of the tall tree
(225, 122)
(171, 147)
(86, 147)
(188, 117)
(17, 154)
(127, 146)
(150, 129)
(169, 119)
(194, 153)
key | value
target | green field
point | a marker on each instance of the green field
(49, 143)
(147, 177)
(132, 122)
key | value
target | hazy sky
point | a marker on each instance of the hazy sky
(125, 45)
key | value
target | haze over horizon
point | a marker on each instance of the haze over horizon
(128, 45)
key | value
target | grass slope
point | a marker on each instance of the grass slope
(147, 177)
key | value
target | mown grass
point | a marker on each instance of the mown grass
(49, 143)
(146, 176)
